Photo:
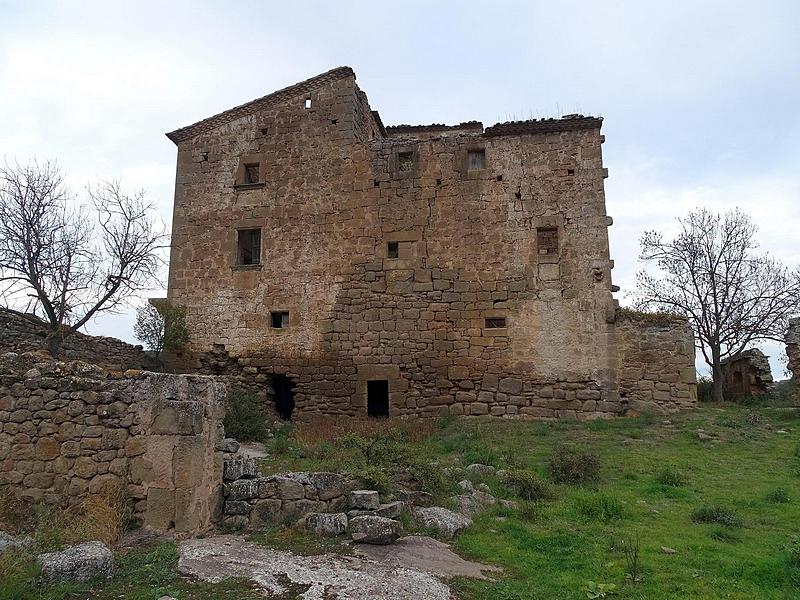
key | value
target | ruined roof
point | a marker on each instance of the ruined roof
(468, 125)
(566, 123)
(243, 110)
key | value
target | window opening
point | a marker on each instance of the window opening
(378, 398)
(248, 251)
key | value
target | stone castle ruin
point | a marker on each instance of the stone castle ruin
(341, 267)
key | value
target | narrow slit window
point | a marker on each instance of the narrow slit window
(248, 247)
(393, 250)
(476, 160)
(279, 319)
(252, 173)
(308, 103)
(495, 323)
(547, 241)
(405, 160)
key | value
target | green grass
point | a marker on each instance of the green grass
(729, 506)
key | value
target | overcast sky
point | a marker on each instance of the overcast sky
(701, 100)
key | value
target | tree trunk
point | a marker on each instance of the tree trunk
(53, 341)
(716, 373)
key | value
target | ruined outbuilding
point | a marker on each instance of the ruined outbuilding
(746, 374)
(342, 267)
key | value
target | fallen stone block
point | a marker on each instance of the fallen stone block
(444, 521)
(239, 468)
(77, 564)
(365, 500)
(10, 542)
(325, 523)
(370, 529)
(230, 446)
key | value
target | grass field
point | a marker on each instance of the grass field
(701, 505)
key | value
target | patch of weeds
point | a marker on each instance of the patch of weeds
(714, 513)
(793, 552)
(528, 486)
(375, 477)
(573, 467)
(599, 506)
(481, 454)
(671, 476)
(633, 564)
(245, 418)
(630, 476)
(778, 496)
(596, 591)
(301, 542)
(724, 535)
(18, 571)
(529, 511)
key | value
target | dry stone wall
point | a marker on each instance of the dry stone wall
(26, 333)
(793, 348)
(67, 429)
(656, 356)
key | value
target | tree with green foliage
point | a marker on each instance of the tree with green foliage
(161, 327)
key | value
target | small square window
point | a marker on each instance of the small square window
(393, 250)
(248, 247)
(279, 319)
(405, 161)
(476, 160)
(547, 241)
(308, 103)
(495, 323)
(252, 173)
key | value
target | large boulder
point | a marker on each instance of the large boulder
(77, 564)
(480, 470)
(325, 523)
(374, 530)
(365, 500)
(446, 522)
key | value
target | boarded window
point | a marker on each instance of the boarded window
(248, 247)
(476, 160)
(547, 241)
(252, 173)
(405, 161)
(279, 319)
(378, 398)
(393, 250)
(495, 323)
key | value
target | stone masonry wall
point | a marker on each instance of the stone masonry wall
(69, 428)
(26, 333)
(793, 348)
(397, 261)
(656, 357)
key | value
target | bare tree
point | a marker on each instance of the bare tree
(711, 274)
(56, 262)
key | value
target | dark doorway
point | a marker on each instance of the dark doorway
(378, 398)
(283, 388)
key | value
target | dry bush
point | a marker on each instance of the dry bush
(13, 515)
(332, 430)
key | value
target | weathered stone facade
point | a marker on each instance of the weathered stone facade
(26, 333)
(793, 348)
(450, 270)
(746, 374)
(67, 429)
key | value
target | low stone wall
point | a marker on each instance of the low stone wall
(656, 357)
(67, 429)
(26, 333)
(255, 502)
(793, 348)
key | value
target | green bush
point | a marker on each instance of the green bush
(778, 496)
(671, 476)
(705, 389)
(245, 418)
(599, 506)
(528, 486)
(717, 514)
(568, 466)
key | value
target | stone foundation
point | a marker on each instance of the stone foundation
(67, 429)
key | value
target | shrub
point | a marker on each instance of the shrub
(705, 389)
(375, 478)
(245, 418)
(671, 476)
(778, 496)
(727, 536)
(600, 506)
(568, 466)
(717, 514)
(528, 486)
